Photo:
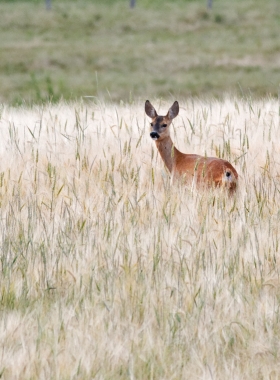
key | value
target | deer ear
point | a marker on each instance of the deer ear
(173, 110)
(149, 109)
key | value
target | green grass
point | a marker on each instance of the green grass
(159, 48)
(107, 272)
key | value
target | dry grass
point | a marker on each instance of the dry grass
(108, 273)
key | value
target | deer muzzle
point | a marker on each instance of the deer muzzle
(154, 135)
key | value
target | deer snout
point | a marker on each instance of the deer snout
(154, 135)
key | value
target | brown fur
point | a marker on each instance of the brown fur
(210, 171)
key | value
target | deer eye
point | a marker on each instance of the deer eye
(164, 125)
(151, 124)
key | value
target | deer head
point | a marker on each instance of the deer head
(160, 124)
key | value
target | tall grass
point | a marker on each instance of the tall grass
(107, 272)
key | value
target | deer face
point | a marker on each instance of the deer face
(160, 124)
(159, 128)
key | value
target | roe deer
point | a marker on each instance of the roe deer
(210, 171)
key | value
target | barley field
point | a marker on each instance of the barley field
(108, 272)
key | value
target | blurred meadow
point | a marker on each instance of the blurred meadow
(107, 271)
(104, 48)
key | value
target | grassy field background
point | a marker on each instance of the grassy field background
(108, 273)
(105, 49)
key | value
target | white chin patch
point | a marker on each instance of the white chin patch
(154, 138)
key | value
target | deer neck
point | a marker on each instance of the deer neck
(168, 152)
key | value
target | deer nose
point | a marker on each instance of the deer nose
(154, 135)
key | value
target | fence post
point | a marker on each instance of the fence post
(48, 5)
(209, 4)
(132, 3)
